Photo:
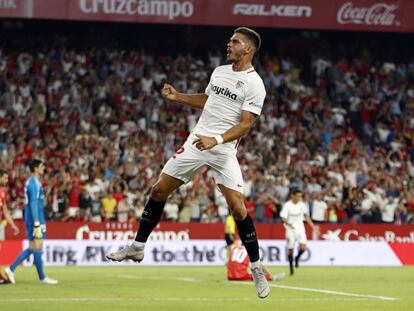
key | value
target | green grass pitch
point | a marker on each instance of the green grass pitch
(206, 288)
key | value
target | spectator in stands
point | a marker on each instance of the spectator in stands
(319, 208)
(388, 210)
(172, 208)
(109, 205)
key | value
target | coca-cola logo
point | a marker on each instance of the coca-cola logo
(378, 14)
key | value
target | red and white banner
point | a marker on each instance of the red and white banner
(168, 231)
(212, 253)
(371, 15)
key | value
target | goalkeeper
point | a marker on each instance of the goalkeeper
(34, 218)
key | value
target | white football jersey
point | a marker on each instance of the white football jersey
(229, 92)
(295, 214)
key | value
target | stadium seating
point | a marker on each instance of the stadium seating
(335, 122)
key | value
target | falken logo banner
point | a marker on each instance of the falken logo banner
(272, 10)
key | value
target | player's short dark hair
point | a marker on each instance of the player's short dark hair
(295, 191)
(34, 164)
(252, 35)
(3, 172)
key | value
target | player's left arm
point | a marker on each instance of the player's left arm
(247, 119)
(241, 129)
(309, 221)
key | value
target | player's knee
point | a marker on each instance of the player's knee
(158, 193)
(239, 212)
(236, 206)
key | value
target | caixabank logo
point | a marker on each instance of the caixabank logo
(355, 235)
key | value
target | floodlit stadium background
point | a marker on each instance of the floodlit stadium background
(80, 87)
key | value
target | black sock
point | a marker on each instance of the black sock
(300, 252)
(248, 237)
(150, 218)
(290, 257)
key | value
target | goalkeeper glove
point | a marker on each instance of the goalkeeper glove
(37, 231)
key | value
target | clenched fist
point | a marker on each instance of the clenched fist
(169, 92)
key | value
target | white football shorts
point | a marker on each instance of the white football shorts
(295, 235)
(188, 160)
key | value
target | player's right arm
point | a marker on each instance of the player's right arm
(32, 197)
(285, 221)
(284, 216)
(196, 101)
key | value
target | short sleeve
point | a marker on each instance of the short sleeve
(208, 88)
(305, 209)
(2, 196)
(255, 97)
(284, 212)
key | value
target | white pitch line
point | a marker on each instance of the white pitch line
(137, 277)
(171, 299)
(325, 291)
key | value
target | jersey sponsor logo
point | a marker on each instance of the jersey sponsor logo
(223, 91)
(272, 10)
(295, 214)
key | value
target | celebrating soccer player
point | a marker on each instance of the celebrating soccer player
(230, 105)
(34, 218)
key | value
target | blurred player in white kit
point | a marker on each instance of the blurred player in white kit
(294, 213)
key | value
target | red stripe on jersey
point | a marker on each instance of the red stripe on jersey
(251, 71)
(237, 143)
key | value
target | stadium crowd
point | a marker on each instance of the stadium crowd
(340, 128)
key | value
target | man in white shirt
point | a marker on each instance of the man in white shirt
(230, 105)
(293, 214)
(319, 208)
(388, 209)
